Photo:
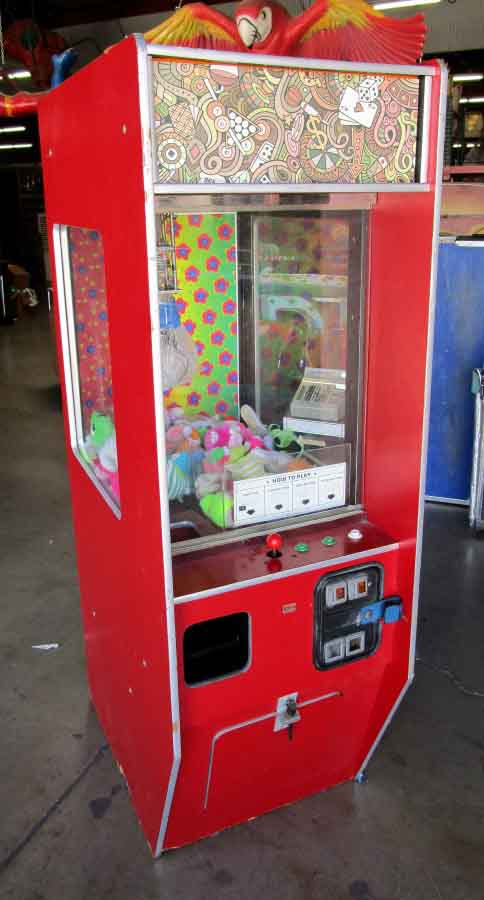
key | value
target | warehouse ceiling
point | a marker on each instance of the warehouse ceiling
(64, 13)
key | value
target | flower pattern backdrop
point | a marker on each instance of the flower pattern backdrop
(206, 266)
(91, 322)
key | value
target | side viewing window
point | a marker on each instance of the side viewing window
(87, 356)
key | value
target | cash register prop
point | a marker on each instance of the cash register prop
(243, 329)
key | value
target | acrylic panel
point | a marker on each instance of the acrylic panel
(249, 124)
(88, 313)
(206, 258)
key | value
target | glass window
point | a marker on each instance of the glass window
(260, 345)
(87, 356)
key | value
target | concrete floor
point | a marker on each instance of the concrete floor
(415, 831)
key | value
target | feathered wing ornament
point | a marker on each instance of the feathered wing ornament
(197, 25)
(353, 30)
(329, 29)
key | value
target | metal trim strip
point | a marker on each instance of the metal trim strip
(331, 188)
(383, 728)
(428, 365)
(293, 62)
(144, 82)
(449, 500)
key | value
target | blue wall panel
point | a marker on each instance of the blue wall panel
(458, 348)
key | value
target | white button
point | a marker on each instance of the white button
(355, 534)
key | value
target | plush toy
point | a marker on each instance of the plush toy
(286, 440)
(248, 467)
(225, 434)
(217, 459)
(182, 436)
(208, 483)
(179, 477)
(218, 508)
(100, 451)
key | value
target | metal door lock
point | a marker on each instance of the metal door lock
(286, 713)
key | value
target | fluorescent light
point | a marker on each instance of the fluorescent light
(399, 4)
(15, 146)
(11, 128)
(471, 100)
(20, 73)
(456, 146)
(470, 145)
(477, 76)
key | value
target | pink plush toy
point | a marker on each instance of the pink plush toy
(215, 460)
(218, 436)
(230, 434)
(110, 479)
(181, 437)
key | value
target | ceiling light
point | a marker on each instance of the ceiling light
(472, 145)
(399, 4)
(477, 76)
(15, 146)
(11, 128)
(456, 146)
(471, 100)
(20, 73)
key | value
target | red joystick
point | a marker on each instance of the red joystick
(274, 543)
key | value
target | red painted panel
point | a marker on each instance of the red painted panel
(343, 729)
(247, 559)
(92, 160)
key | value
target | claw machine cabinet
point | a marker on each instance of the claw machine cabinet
(244, 286)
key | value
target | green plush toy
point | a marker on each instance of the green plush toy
(218, 508)
(102, 428)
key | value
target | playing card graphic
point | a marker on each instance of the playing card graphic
(355, 111)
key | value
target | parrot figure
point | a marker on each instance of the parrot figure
(34, 47)
(329, 29)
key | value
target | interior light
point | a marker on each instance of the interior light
(476, 76)
(11, 128)
(20, 73)
(15, 146)
(399, 4)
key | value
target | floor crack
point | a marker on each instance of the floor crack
(468, 692)
(6, 862)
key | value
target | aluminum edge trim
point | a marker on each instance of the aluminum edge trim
(428, 365)
(384, 727)
(322, 565)
(424, 151)
(144, 85)
(293, 62)
(324, 187)
(451, 501)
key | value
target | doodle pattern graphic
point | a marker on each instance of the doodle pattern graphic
(248, 124)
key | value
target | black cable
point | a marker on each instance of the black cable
(5, 863)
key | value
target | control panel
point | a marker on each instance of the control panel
(350, 611)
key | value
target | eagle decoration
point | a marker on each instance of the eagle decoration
(349, 30)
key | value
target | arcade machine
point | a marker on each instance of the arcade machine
(243, 251)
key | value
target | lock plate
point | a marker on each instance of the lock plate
(286, 712)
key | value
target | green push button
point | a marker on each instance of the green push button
(328, 541)
(301, 548)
